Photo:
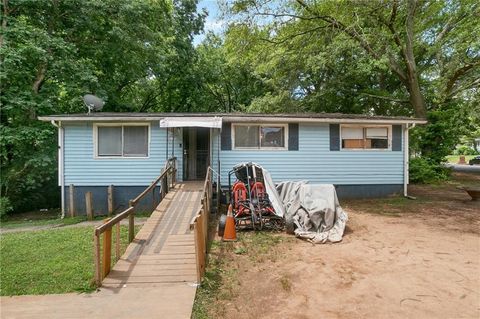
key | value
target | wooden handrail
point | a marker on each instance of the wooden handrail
(168, 169)
(199, 225)
(149, 188)
(117, 218)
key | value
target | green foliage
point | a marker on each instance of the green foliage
(356, 57)
(465, 150)
(437, 139)
(424, 171)
(137, 56)
(5, 207)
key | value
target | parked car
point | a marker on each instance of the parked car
(475, 160)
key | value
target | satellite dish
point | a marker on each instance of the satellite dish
(93, 103)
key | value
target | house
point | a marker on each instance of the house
(364, 156)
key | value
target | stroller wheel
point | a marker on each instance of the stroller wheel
(221, 224)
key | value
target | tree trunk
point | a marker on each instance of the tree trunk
(4, 21)
(416, 98)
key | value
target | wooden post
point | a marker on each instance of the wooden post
(107, 250)
(117, 241)
(71, 201)
(153, 198)
(89, 205)
(96, 257)
(163, 188)
(131, 224)
(110, 200)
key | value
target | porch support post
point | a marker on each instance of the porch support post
(166, 149)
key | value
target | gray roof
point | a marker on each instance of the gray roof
(236, 117)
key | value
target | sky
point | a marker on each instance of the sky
(213, 21)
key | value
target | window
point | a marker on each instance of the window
(122, 140)
(358, 137)
(248, 136)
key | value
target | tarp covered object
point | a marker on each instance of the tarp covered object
(314, 210)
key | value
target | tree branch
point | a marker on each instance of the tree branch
(292, 36)
(392, 99)
(393, 64)
(457, 75)
(40, 78)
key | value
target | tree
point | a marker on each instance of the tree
(419, 42)
(54, 51)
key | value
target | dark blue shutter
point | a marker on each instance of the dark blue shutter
(334, 137)
(226, 137)
(396, 137)
(293, 137)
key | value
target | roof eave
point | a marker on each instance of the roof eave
(227, 118)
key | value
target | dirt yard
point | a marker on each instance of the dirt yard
(399, 258)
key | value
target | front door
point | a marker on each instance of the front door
(196, 150)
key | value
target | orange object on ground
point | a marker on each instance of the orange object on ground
(230, 233)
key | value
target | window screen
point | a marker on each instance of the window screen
(246, 136)
(127, 141)
(135, 141)
(272, 136)
(110, 141)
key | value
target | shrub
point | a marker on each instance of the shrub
(5, 207)
(465, 150)
(423, 171)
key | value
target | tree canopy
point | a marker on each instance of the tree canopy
(413, 57)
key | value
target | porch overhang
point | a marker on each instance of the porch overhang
(209, 122)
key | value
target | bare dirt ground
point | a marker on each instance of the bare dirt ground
(399, 259)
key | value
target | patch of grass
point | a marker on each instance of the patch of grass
(49, 261)
(390, 206)
(453, 159)
(286, 283)
(41, 222)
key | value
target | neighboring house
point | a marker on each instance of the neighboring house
(476, 144)
(364, 156)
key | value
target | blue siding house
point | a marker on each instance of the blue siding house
(364, 156)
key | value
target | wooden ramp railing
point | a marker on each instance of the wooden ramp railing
(199, 225)
(167, 179)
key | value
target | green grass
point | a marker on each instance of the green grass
(8, 224)
(454, 158)
(48, 261)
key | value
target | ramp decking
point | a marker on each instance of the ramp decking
(164, 249)
(155, 278)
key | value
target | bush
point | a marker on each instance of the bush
(423, 171)
(5, 207)
(465, 150)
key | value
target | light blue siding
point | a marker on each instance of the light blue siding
(316, 163)
(82, 169)
(313, 161)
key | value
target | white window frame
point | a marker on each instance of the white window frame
(260, 148)
(364, 126)
(95, 140)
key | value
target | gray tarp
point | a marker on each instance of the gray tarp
(314, 209)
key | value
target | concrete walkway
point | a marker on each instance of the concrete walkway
(155, 278)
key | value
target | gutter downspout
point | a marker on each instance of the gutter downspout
(406, 159)
(61, 175)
